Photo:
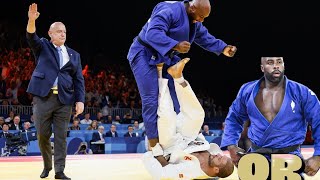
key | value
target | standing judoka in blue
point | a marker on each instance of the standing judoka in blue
(279, 110)
(171, 29)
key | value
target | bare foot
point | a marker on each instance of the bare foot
(176, 70)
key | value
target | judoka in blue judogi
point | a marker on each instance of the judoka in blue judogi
(172, 27)
(279, 110)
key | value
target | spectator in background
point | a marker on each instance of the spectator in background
(109, 120)
(75, 124)
(100, 118)
(98, 137)
(136, 128)
(127, 118)
(5, 131)
(93, 125)
(86, 119)
(112, 132)
(26, 127)
(130, 132)
(136, 125)
(206, 131)
(117, 120)
(22, 150)
(10, 117)
(83, 149)
(16, 124)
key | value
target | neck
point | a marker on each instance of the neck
(273, 85)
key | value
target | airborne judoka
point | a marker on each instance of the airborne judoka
(171, 29)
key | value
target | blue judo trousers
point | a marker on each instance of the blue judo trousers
(144, 74)
(168, 25)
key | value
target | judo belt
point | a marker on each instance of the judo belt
(143, 43)
(171, 52)
(262, 150)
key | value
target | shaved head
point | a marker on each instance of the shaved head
(55, 25)
(198, 10)
(57, 33)
(204, 5)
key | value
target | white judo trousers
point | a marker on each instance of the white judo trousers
(177, 131)
(175, 134)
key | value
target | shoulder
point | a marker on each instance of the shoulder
(295, 84)
(168, 8)
(247, 87)
(45, 40)
(297, 88)
(249, 84)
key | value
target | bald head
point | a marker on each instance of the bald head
(198, 10)
(57, 33)
(55, 25)
(204, 5)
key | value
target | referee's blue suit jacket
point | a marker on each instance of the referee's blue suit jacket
(70, 79)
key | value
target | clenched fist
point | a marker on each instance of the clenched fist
(182, 47)
(229, 50)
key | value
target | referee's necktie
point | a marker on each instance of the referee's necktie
(55, 84)
(60, 56)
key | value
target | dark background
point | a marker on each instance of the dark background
(102, 32)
